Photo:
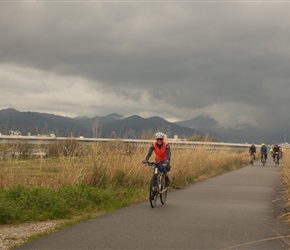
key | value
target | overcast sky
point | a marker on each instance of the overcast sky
(173, 59)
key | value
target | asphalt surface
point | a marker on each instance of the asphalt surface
(236, 210)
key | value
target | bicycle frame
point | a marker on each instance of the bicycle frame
(276, 156)
(160, 188)
(263, 159)
(252, 158)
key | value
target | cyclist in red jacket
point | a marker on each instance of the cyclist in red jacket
(162, 150)
(252, 151)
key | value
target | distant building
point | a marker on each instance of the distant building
(16, 132)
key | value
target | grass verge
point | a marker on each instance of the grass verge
(105, 178)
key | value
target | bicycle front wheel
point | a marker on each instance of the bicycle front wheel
(276, 161)
(163, 192)
(152, 197)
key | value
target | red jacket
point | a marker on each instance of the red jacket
(161, 154)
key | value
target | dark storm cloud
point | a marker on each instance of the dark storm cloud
(172, 59)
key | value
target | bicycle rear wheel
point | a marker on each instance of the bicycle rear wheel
(163, 192)
(152, 198)
(276, 161)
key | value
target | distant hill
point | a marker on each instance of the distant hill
(200, 121)
(138, 127)
(38, 123)
(241, 134)
(204, 124)
(109, 118)
(110, 126)
(116, 126)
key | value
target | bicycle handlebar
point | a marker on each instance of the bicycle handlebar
(149, 163)
(154, 162)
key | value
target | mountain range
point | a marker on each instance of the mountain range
(117, 126)
(242, 134)
(110, 126)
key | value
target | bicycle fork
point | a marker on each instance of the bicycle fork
(161, 183)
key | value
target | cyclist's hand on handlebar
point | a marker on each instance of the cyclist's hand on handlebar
(165, 163)
(145, 162)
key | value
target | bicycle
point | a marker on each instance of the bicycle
(276, 159)
(252, 159)
(263, 159)
(161, 190)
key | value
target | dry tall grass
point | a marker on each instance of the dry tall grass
(285, 174)
(115, 163)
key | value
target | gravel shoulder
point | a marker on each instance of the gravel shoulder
(15, 235)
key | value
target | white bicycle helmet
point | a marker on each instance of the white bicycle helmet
(159, 135)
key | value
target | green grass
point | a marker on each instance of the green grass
(21, 204)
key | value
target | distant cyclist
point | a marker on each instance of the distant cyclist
(264, 151)
(252, 151)
(271, 150)
(276, 153)
(281, 152)
(162, 150)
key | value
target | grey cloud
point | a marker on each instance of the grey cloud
(185, 56)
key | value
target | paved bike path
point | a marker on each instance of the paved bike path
(236, 210)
